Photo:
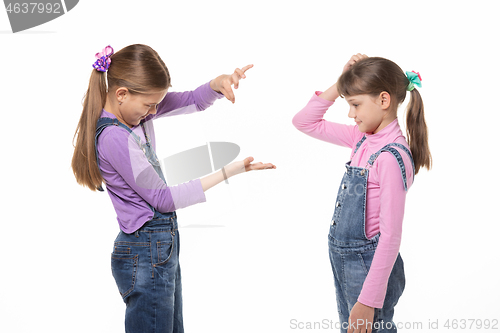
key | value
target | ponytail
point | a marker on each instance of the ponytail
(416, 132)
(84, 162)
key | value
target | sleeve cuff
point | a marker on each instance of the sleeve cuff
(187, 194)
(212, 93)
(321, 100)
(371, 304)
(199, 190)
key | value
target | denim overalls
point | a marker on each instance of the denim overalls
(351, 252)
(145, 264)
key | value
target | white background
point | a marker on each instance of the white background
(254, 256)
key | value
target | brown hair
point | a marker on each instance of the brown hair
(136, 67)
(373, 75)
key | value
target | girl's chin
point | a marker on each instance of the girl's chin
(360, 127)
(364, 130)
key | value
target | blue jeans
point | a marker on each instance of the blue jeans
(146, 269)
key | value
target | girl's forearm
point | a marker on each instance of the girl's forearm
(330, 94)
(219, 176)
(211, 180)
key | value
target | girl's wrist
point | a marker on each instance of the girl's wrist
(331, 94)
(234, 168)
(221, 175)
(212, 85)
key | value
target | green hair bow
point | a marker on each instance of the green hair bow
(415, 80)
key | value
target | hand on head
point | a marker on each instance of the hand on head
(355, 58)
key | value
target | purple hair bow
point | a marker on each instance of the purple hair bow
(103, 61)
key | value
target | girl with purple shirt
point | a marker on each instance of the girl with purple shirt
(366, 227)
(116, 145)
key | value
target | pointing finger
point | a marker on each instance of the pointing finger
(240, 73)
(247, 67)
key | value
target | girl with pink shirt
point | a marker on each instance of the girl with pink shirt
(366, 227)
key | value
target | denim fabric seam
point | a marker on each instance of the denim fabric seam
(401, 164)
(345, 248)
(344, 280)
(142, 244)
(152, 260)
(121, 250)
(363, 264)
(364, 204)
(159, 231)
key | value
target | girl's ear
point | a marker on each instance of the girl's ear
(385, 100)
(121, 93)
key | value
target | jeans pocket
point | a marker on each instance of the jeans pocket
(165, 249)
(356, 267)
(124, 269)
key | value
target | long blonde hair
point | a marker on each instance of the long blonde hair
(374, 75)
(136, 67)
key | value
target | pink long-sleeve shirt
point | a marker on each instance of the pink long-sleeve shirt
(385, 197)
(131, 181)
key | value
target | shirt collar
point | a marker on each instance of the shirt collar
(388, 134)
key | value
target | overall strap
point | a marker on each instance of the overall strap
(104, 122)
(397, 155)
(358, 145)
(144, 131)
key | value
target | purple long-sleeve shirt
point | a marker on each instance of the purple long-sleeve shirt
(130, 179)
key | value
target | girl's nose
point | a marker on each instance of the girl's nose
(351, 113)
(153, 109)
